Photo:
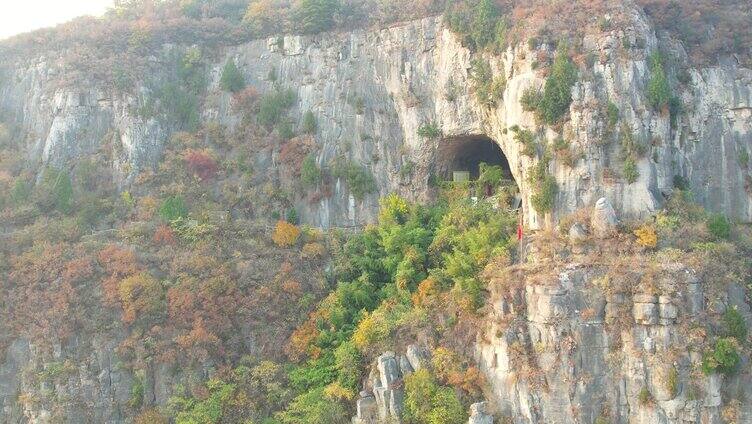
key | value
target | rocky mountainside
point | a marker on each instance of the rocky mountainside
(586, 320)
(372, 90)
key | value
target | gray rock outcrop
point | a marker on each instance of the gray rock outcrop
(635, 346)
(381, 400)
(479, 414)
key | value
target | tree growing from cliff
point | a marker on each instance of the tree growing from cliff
(232, 79)
(659, 92)
(483, 30)
(557, 93)
(310, 173)
(309, 125)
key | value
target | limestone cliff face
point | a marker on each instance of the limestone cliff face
(372, 90)
(570, 340)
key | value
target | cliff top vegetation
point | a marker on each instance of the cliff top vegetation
(708, 28)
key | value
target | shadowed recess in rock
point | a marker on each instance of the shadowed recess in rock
(466, 153)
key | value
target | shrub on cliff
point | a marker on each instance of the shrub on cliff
(232, 79)
(479, 23)
(250, 393)
(200, 163)
(531, 99)
(429, 130)
(630, 171)
(173, 208)
(719, 226)
(309, 125)
(735, 324)
(151, 416)
(347, 360)
(557, 93)
(544, 187)
(489, 90)
(359, 179)
(646, 236)
(723, 358)
(54, 191)
(658, 90)
(314, 407)
(285, 234)
(426, 402)
(484, 23)
(273, 105)
(142, 297)
(20, 191)
(310, 173)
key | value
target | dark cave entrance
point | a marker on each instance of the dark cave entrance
(466, 153)
(459, 159)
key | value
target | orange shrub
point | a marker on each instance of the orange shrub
(119, 263)
(246, 100)
(293, 153)
(78, 269)
(301, 340)
(200, 163)
(147, 205)
(426, 289)
(292, 287)
(285, 234)
(646, 236)
(450, 369)
(200, 342)
(164, 236)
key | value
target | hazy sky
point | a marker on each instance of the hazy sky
(17, 16)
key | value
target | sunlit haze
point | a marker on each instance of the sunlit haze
(19, 16)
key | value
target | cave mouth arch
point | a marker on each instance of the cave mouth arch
(465, 153)
(459, 158)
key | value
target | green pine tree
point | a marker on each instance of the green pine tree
(232, 79)
(309, 124)
(557, 94)
(659, 92)
(484, 24)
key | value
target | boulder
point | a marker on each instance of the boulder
(604, 219)
(415, 356)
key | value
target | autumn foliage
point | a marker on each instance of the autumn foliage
(142, 297)
(118, 263)
(201, 164)
(285, 234)
(164, 236)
